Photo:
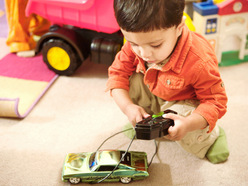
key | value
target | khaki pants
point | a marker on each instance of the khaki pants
(196, 142)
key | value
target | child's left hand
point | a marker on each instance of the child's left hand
(183, 125)
(179, 130)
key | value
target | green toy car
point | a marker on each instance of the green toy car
(94, 166)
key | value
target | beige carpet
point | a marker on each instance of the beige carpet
(76, 115)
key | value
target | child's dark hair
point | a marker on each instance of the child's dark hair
(148, 15)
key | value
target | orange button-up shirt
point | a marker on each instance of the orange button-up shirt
(191, 73)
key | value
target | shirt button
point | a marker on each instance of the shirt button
(168, 82)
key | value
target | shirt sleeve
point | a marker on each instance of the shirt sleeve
(210, 90)
(122, 68)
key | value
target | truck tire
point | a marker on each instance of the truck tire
(60, 57)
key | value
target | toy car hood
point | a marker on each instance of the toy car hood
(76, 162)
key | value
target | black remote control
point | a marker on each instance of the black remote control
(154, 126)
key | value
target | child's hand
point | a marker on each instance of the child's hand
(135, 113)
(183, 125)
(179, 130)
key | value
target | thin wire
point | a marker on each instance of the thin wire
(112, 136)
(156, 150)
(119, 161)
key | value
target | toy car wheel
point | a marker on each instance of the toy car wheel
(74, 180)
(126, 179)
(60, 57)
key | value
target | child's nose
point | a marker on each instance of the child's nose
(145, 53)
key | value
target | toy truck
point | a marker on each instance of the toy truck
(80, 28)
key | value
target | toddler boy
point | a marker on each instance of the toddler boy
(163, 65)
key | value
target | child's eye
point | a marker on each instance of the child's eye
(156, 46)
(133, 45)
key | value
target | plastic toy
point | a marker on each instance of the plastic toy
(22, 28)
(154, 126)
(189, 22)
(225, 25)
(79, 28)
(92, 166)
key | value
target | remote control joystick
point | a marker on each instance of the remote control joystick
(154, 126)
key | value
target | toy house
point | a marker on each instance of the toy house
(225, 25)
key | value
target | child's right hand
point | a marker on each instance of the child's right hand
(135, 113)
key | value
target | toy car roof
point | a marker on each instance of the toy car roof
(112, 157)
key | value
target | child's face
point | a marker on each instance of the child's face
(154, 46)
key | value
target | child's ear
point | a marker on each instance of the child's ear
(180, 26)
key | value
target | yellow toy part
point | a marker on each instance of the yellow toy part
(22, 28)
(218, 1)
(189, 22)
(58, 58)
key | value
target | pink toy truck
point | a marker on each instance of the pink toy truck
(79, 28)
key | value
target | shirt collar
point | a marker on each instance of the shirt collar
(158, 66)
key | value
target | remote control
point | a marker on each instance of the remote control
(154, 126)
